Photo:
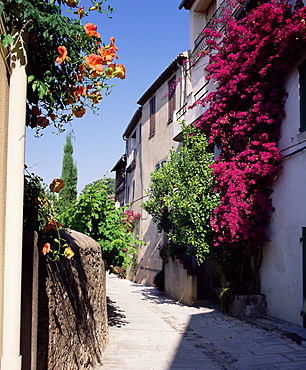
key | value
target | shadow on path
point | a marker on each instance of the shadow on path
(115, 315)
(155, 296)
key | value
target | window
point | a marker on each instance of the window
(171, 98)
(139, 133)
(302, 88)
(160, 164)
(133, 190)
(128, 194)
(152, 116)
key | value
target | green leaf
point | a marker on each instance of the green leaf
(6, 40)
(31, 78)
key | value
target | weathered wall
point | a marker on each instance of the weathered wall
(281, 271)
(72, 316)
(154, 150)
(4, 94)
(179, 285)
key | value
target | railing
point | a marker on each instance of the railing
(181, 112)
(201, 92)
(200, 42)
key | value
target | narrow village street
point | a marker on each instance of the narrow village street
(149, 331)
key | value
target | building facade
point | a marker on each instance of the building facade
(283, 270)
(149, 137)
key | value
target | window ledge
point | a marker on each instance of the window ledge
(302, 129)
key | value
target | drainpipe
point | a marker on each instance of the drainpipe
(11, 358)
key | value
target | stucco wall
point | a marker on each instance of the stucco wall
(281, 272)
(150, 152)
(179, 285)
(4, 89)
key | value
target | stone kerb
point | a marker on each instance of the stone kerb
(72, 312)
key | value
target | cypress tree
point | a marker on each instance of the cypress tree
(70, 177)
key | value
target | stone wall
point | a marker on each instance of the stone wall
(71, 312)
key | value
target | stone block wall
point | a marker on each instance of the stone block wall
(71, 317)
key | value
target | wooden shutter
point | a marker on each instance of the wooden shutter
(152, 116)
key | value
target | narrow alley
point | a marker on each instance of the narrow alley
(150, 331)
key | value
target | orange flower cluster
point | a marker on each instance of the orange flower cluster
(51, 223)
(81, 12)
(106, 54)
(63, 54)
(56, 185)
(69, 253)
(99, 63)
(72, 3)
(91, 30)
(46, 249)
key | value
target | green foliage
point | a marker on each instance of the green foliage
(39, 215)
(94, 214)
(182, 196)
(226, 298)
(50, 85)
(110, 185)
(33, 190)
(70, 177)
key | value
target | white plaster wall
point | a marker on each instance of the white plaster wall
(4, 103)
(178, 284)
(281, 272)
(196, 20)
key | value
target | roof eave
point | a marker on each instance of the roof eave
(187, 4)
(133, 122)
(168, 72)
(120, 161)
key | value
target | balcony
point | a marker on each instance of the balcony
(131, 160)
(200, 42)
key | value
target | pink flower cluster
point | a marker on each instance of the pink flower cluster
(244, 115)
(130, 219)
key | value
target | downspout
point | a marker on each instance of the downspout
(125, 170)
(11, 358)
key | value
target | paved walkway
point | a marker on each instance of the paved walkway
(150, 331)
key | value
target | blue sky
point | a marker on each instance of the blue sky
(149, 34)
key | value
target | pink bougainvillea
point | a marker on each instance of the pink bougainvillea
(130, 218)
(243, 118)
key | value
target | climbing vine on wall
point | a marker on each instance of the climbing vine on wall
(243, 117)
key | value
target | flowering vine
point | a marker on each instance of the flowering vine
(243, 119)
(40, 215)
(68, 65)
